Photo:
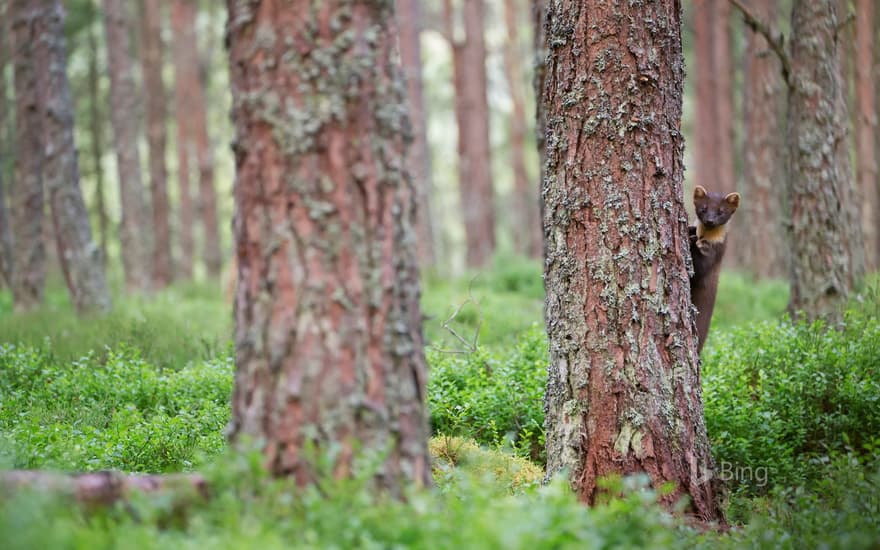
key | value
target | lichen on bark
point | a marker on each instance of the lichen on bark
(623, 391)
(328, 327)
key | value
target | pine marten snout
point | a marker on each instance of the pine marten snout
(708, 240)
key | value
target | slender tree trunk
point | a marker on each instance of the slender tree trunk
(182, 15)
(714, 124)
(526, 226)
(96, 129)
(136, 242)
(823, 235)
(26, 198)
(207, 203)
(157, 133)
(472, 115)
(409, 15)
(78, 255)
(329, 348)
(760, 230)
(623, 393)
(866, 124)
(5, 152)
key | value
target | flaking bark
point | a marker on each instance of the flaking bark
(823, 233)
(623, 392)
(329, 349)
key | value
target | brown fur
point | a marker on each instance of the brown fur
(708, 240)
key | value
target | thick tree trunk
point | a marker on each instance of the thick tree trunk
(527, 230)
(328, 326)
(866, 125)
(135, 235)
(409, 15)
(823, 234)
(623, 392)
(185, 61)
(26, 198)
(760, 230)
(96, 130)
(78, 254)
(472, 116)
(151, 59)
(714, 120)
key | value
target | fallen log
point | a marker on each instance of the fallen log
(99, 489)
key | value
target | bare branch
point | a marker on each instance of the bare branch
(774, 38)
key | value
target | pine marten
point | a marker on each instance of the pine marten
(708, 240)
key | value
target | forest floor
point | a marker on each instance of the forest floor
(792, 410)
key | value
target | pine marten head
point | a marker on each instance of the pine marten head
(714, 211)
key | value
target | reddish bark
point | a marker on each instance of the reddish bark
(714, 113)
(136, 237)
(26, 198)
(527, 232)
(623, 392)
(329, 349)
(866, 125)
(760, 229)
(151, 59)
(472, 116)
(409, 16)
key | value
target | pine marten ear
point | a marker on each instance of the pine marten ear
(699, 192)
(732, 199)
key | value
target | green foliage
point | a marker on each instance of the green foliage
(495, 398)
(247, 510)
(170, 329)
(786, 396)
(839, 510)
(111, 412)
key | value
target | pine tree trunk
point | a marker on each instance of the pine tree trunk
(866, 125)
(182, 17)
(96, 130)
(623, 392)
(714, 122)
(207, 197)
(26, 197)
(328, 326)
(5, 153)
(409, 15)
(526, 226)
(135, 235)
(78, 254)
(472, 116)
(157, 135)
(823, 234)
(759, 228)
